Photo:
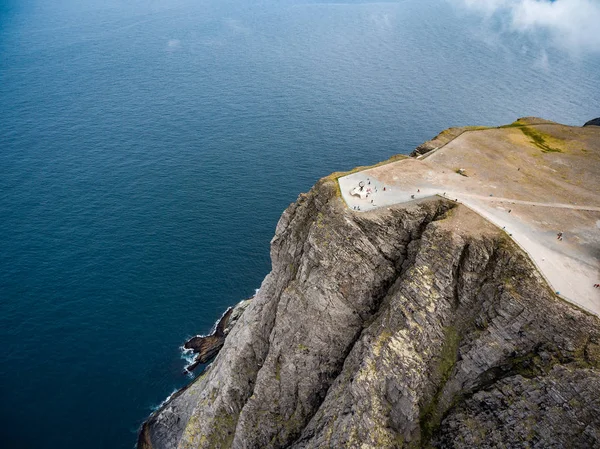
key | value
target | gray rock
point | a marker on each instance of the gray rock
(415, 325)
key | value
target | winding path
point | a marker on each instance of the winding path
(569, 271)
(529, 203)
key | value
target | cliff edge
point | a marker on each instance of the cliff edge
(417, 324)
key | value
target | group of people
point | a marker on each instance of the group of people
(419, 191)
(370, 191)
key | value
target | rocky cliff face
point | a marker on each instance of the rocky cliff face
(419, 325)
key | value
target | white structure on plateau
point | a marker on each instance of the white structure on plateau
(360, 191)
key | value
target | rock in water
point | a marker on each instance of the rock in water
(207, 347)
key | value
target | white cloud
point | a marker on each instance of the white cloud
(573, 25)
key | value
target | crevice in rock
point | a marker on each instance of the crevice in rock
(457, 275)
(537, 362)
(463, 318)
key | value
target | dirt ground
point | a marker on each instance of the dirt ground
(531, 180)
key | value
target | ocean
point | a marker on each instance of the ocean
(148, 148)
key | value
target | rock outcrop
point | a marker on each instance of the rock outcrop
(594, 122)
(438, 141)
(206, 347)
(416, 325)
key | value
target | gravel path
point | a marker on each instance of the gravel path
(569, 272)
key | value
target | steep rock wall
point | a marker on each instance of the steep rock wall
(381, 329)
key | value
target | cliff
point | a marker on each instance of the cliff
(413, 325)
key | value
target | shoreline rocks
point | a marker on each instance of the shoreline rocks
(208, 346)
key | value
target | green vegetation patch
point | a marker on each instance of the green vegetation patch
(449, 353)
(430, 415)
(518, 124)
(278, 369)
(221, 435)
(540, 139)
(476, 128)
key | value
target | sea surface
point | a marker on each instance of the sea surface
(148, 148)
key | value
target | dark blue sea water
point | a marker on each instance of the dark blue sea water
(147, 149)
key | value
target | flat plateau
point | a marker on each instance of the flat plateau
(533, 179)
